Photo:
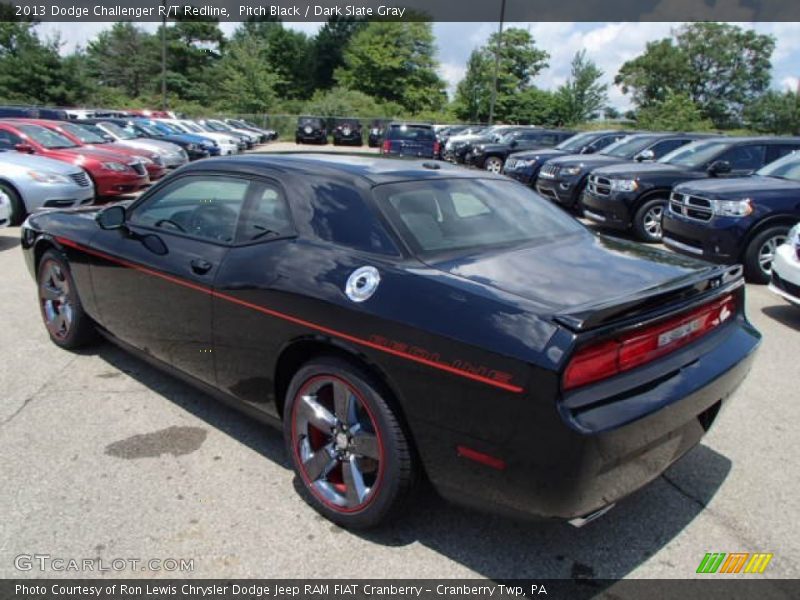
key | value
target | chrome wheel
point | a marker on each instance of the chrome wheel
(56, 299)
(766, 253)
(493, 164)
(336, 443)
(652, 221)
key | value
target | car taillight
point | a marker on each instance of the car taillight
(387, 145)
(436, 147)
(605, 359)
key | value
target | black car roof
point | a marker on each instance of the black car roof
(373, 170)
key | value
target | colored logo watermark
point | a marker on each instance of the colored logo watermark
(734, 562)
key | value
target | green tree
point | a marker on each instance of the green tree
(775, 112)
(531, 106)
(328, 48)
(246, 81)
(194, 45)
(721, 67)
(30, 69)
(677, 112)
(124, 57)
(520, 61)
(583, 95)
(394, 61)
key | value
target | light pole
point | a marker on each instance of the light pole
(497, 61)
(164, 55)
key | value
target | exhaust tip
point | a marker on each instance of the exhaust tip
(579, 522)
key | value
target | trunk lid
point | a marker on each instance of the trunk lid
(586, 281)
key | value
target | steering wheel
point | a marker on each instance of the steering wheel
(212, 220)
(177, 226)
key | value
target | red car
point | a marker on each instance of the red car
(113, 173)
(84, 135)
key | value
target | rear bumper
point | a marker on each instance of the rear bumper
(719, 240)
(314, 136)
(576, 464)
(349, 139)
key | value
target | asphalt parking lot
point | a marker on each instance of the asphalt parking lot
(105, 457)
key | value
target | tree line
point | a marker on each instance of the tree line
(703, 76)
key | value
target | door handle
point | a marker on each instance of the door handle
(200, 266)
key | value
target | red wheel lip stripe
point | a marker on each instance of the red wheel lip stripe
(292, 319)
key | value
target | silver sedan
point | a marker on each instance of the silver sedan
(34, 182)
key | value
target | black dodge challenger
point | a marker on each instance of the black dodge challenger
(403, 319)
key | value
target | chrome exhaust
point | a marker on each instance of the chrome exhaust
(581, 521)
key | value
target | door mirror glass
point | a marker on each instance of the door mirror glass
(112, 217)
(719, 167)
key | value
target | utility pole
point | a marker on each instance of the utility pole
(164, 55)
(497, 60)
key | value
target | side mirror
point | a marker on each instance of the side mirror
(588, 150)
(645, 155)
(24, 147)
(514, 143)
(719, 167)
(108, 138)
(112, 217)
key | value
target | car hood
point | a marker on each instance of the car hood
(152, 145)
(579, 270)
(586, 161)
(633, 170)
(539, 154)
(739, 187)
(31, 161)
(83, 153)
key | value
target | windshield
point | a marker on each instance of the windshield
(47, 137)
(193, 127)
(787, 167)
(84, 134)
(119, 132)
(576, 142)
(695, 154)
(466, 215)
(164, 128)
(148, 129)
(628, 147)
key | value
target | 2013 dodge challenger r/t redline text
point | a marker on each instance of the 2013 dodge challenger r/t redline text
(404, 319)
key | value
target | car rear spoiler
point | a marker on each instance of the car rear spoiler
(592, 315)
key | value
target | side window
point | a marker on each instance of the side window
(341, 215)
(203, 206)
(745, 158)
(8, 139)
(602, 142)
(264, 216)
(776, 151)
(667, 146)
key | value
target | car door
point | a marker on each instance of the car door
(155, 292)
(744, 159)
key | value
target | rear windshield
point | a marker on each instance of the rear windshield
(461, 216)
(310, 121)
(411, 132)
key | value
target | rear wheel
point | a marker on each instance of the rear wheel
(493, 164)
(346, 445)
(760, 253)
(647, 221)
(18, 211)
(63, 315)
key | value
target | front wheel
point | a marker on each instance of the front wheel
(493, 164)
(63, 315)
(18, 211)
(647, 221)
(347, 447)
(760, 253)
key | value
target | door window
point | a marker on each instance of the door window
(776, 151)
(266, 216)
(205, 206)
(8, 139)
(745, 158)
(663, 148)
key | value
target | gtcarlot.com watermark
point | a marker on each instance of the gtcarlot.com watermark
(60, 564)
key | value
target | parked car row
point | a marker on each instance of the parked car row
(47, 163)
(724, 199)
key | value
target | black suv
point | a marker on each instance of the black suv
(347, 131)
(563, 179)
(376, 129)
(635, 196)
(524, 166)
(410, 139)
(736, 220)
(311, 129)
(492, 156)
(458, 146)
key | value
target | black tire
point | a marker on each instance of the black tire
(644, 226)
(53, 275)
(760, 251)
(394, 474)
(297, 140)
(335, 142)
(18, 211)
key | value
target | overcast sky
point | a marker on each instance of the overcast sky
(608, 44)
